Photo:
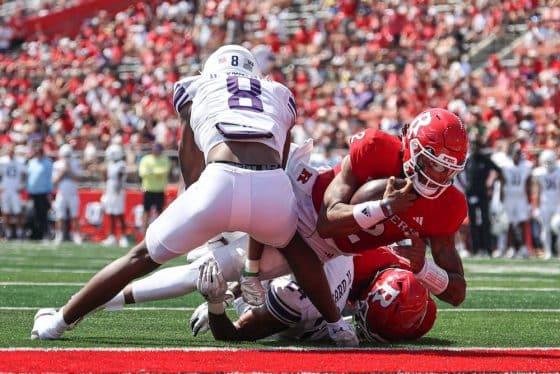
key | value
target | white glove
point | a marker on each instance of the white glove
(211, 283)
(343, 334)
(199, 322)
(252, 289)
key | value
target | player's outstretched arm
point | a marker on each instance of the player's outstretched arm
(446, 257)
(339, 217)
(254, 324)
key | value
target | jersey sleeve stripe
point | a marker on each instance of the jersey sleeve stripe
(180, 98)
(292, 106)
(279, 310)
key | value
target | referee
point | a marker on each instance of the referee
(154, 169)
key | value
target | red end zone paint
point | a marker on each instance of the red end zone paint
(534, 360)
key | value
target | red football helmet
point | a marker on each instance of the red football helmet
(393, 308)
(435, 149)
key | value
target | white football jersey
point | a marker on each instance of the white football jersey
(287, 302)
(11, 171)
(549, 183)
(243, 105)
(515, 177)
(116, 176)
(67, 186)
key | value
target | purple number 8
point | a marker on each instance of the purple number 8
(254, 103)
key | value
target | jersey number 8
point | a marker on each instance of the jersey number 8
(245, 93)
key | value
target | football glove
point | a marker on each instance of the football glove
(342, 333)
(252, 289)
(199, 322)
(211, 283)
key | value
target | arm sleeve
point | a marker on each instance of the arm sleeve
(142, 167)
(184, 91)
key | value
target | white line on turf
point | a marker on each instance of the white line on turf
(287, 348)
(79, 284)
(187, 309)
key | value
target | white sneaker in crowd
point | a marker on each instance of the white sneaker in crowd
(497, 253)
(123, 242)
(58, 237)
(109, 241)
(510, 253)
(522, 253)
(76, 238)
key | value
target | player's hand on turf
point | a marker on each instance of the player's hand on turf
(199, 320)
(343, 333)
(211, 283)
(252, 290)
(413, 250)
(399, 199)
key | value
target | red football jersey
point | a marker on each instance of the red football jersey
(368, 264)
(375, 155)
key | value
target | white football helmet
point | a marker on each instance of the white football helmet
(232, 59)
(65, 151)
(548, 159)
(114, 153)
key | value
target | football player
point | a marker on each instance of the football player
(66, 174)
(12, 171)
(233, 146)
(547, 191)
(515, 195)
(390, 305)
(114, 198)
(430, 153)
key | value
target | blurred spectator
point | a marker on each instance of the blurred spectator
(477, 171)
(154, 170)
(39, 187)
(546, 179)
(66, 174)
(516, 196)
(12, 171)
(114, 197)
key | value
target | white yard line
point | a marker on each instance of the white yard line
(47, 270)
(79, 284)
(286, 348)
(189, 309)
(513, 268)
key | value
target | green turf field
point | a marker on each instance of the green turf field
(510, 303)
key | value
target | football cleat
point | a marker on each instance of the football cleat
(48, 324)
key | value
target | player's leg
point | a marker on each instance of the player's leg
(18, 216)
(181, 280)
(123, 241)
(546, 232)
(60, 208)
(74, 204)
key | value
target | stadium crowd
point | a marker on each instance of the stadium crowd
(355, 64)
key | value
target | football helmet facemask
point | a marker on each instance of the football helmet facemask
(435, 148)
(392, 308)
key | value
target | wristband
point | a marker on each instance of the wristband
(216, 308)
(434, 278)
(252, 266)
(368, 214)
(387, 206)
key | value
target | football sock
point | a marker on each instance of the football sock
(166, 284)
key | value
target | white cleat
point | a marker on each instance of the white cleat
(48, 324)
(123, 242)
(77, 238)
(109, 241)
